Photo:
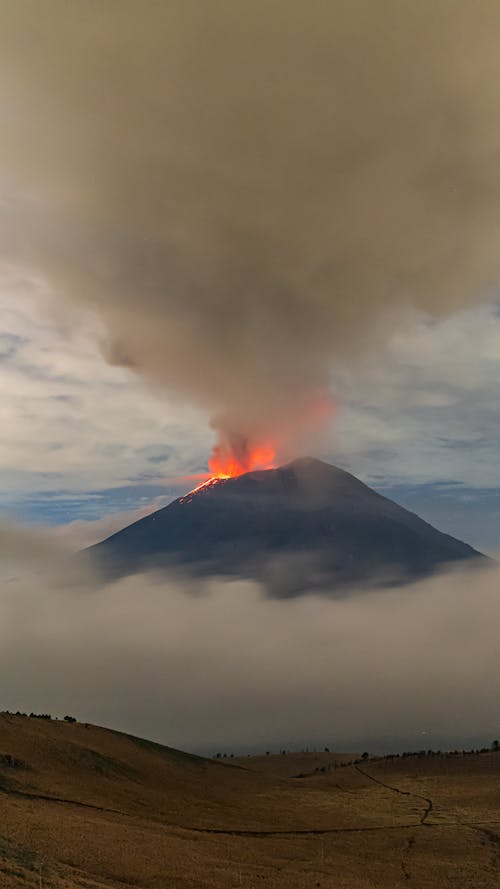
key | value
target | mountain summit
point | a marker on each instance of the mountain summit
(305, 526)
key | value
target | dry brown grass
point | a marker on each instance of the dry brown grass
(95, 809)
(290, 765)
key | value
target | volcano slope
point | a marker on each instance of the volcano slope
(304, 526)
(83, 807)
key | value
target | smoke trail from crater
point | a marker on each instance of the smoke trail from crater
(245, 193)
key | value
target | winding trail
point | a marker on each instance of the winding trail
(482, 826)
(60, 799)
(429, 804)
(423, 818)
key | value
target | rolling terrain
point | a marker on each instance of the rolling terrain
(83, 807)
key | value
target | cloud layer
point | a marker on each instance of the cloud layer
(211, 665)
(245, 193)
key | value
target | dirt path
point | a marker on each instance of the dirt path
(429, 804)
(23, 794)
(236, 832)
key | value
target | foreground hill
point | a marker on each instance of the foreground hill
(307, 525)
(83, 807)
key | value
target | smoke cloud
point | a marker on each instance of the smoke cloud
(25, 549)
(209, 665)
(247, 192)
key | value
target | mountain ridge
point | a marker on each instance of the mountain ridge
(306, 525)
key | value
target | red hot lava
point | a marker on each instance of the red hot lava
(227, 462)
(236, 454)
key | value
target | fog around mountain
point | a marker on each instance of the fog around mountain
(205, 665)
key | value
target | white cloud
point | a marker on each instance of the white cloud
(66, 413)
(81, 533)
(427, 408)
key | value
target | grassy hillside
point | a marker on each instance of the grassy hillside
(88, 808)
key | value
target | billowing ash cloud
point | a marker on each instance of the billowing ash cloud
(246, 192)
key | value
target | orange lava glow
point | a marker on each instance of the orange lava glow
(224, 463)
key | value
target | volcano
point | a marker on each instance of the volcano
(304, 526)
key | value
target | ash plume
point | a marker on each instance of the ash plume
(245, 193)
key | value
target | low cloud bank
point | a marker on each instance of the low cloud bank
(216, 665)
